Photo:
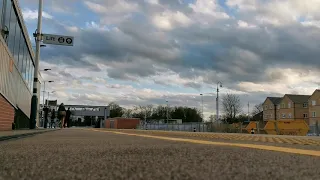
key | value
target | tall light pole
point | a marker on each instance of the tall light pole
(167, 111)
(49, 96)
(217, 99)
(34, 100)
(44, 90)
(202, 106)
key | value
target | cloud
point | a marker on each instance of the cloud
(140, 52)
(29, 14)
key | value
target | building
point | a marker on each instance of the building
(270, 108)
(294, 107)
(16, 67)
(314, 108)
(122, 123)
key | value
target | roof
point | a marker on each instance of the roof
(298, 98)
(317, 90)
(275, 100)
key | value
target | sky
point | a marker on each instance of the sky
(139, 52)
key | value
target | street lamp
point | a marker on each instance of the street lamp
(167, 112)
(202, 105)
(34, 99)
(217, 99)
(49, 96)
(44, 89)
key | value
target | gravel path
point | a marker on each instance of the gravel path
(81, 154)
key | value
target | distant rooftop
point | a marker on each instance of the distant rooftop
(298, 98)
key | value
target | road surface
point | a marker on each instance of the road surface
(86, 154)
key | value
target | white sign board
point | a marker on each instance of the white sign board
(57, 39)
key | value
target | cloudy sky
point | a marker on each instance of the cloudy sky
(138, 52)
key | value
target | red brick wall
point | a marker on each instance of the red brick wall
(123, 123)
(6, 114)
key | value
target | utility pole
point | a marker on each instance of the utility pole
(167, 112)
(34, 100)
(217, 99)
(202, 105)
(248, 109)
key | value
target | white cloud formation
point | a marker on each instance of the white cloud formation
(29, 14)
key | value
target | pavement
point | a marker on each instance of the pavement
(102, 154)
(5, 135)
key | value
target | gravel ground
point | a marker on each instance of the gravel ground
(80, 154)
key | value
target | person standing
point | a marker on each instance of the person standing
(46, 112)
(68, 115)
(62, 114)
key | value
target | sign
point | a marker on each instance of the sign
(58, 39)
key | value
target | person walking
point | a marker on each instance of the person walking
(46, 112)
(62, 114)
(53, 117)
(67, 120)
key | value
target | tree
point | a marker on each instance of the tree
(143, 112)
(127, 113)
(212, 118)
(258, 108)
(232, 106)
(115, 110)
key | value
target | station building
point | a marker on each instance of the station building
(16, 67)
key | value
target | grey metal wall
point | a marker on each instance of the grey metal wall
(12, 85)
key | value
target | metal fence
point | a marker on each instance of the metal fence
(313, 130)
(213, 127)
(199, 127)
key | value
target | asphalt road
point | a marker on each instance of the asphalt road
(82, 154)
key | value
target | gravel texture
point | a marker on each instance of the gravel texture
(82, 154)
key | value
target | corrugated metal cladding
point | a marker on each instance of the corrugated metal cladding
(16, 57)
(12, 85)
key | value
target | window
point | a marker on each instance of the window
(313, 114)
(270, 107)
(282, 105)
(6, 20)
(305, 105)
(21, 52)
(289, 115)
(1, 13)
(313, 102)
(305, 115)
(266, 107)
(278, 106)
(283, 115)
(12, 30)
(289, 105)
(27, 71)
(17, 44)
(32, 72)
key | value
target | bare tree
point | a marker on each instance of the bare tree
(212, 118)
(144, 112)
(258, 108)
(127, 113)
(231, 105)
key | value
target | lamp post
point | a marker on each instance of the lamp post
(44, 90)
(49, 96)
(201, 106)
(167, 112)
(34, 99)
(217, 99)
